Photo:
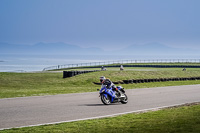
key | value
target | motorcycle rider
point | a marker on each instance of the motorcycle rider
(109, 83)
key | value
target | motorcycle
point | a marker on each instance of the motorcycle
(109, 96)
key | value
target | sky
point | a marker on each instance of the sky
(108, 24)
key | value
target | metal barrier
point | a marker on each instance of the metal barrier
(121, 62)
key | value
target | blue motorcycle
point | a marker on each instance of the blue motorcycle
(109, 96)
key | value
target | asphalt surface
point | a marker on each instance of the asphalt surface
(40, 110)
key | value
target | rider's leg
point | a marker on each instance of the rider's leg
(116, 90)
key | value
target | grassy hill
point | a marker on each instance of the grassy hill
(48, 83)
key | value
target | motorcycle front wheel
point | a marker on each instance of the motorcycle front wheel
(105, 100)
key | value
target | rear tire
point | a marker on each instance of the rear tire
(125, 101)
(105, 100)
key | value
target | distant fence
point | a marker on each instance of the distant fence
(122, 62)
(155, 66)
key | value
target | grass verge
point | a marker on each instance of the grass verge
(181, 119)
(37, 84)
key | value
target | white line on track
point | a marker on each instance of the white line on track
(98, 117)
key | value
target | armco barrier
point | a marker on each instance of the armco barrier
(67, 74)
(153, 80)
(153, 66)
(125, 62)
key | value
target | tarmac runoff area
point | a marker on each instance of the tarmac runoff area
(54, 109)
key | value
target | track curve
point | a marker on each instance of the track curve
(41, 110)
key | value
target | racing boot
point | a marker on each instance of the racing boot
(120, 94)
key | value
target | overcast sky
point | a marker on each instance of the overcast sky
(101, 23)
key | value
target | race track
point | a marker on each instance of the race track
(40, 110)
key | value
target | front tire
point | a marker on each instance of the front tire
(125, 101)
(105, 100)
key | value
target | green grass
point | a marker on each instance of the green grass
(183, 119)
(32, 84)
(172, 120)
(37, 84)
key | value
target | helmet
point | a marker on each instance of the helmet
(102, 78)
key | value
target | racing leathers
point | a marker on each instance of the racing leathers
(109, 84)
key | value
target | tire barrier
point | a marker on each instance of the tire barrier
(135, 81)
(67, 74)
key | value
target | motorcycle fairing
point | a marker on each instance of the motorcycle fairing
(108, 91)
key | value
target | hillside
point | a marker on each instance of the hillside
(68, 49)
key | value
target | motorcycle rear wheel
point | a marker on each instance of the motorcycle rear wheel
(125, 101)
(105, 100)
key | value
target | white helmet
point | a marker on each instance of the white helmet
(102, 78)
